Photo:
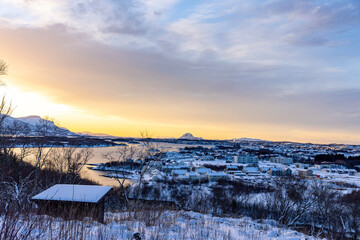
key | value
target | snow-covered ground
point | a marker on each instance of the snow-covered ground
(157, 225)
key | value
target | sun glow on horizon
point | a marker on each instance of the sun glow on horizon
(183, 70)
(27, 102)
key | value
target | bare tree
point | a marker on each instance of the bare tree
(44, 129)
(5, 107)
(69, 161)
(145, 158)
(325, 208)
(149, 158)
(352, 213)
(118, 158)
(13, 184)
(291, 201)
(17, 192)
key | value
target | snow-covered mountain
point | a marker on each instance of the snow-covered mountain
(33, 126)
(189, 136)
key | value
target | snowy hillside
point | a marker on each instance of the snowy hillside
(34, 126)
(153, 225)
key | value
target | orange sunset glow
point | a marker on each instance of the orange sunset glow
(171, 73)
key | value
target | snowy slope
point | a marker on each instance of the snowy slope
(168, 225)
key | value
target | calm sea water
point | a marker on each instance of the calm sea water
(98, 158)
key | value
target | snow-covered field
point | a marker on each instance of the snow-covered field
(154, 225)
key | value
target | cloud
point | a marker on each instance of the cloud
(221, 63)
(229, 30)
(75, 68)
(313, 23)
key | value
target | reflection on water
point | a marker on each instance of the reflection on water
(98, 158)
(97, 175)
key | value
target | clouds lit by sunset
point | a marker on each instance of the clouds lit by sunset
(276, 70)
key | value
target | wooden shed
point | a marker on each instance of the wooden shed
(70, 201)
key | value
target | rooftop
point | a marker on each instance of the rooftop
(74, 193)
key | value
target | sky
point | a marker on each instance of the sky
(270, 69)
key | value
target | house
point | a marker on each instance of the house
(73, 201)
(251, 171)
(183, 177)
(352, 172)
(275, 171)
(305, 173)
(264, 169)
(193, 176)
(237, 173)
(170, 168)
(215, 176)
(287, 161)
(302, 165)
(283, 160)
(287, 172)
(231, 168)
(178, 172)
(203, 171)
(322, 166)
(246, 158)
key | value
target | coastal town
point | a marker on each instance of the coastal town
(249, 160)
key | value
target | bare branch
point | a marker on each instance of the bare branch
(3, 67)
(3, 70)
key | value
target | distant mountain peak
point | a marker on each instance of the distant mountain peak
(189, 136)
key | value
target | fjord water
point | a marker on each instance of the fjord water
(98, 157)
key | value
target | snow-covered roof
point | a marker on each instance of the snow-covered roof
(215, 174)
(203, 170)
(192, 174)
(74, 193)
(179, 172)
(183, 166)
(251, 169)
(274, 169)
(265, 168)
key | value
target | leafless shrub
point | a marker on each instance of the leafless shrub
(69, 161)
